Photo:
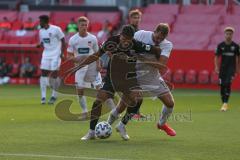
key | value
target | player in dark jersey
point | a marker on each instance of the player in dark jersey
(228, 51)
(134, 112)
(122, 48)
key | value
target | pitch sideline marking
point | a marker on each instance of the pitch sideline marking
(53, 156)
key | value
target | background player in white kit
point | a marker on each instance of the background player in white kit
(52, 40)
(151, 80)
(81, 45)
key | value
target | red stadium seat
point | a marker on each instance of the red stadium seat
(28, 38)
(100, 17)
(11, 15)
(195, 28)
(32, 14)
(214, 78)
(64, 16)
(191, 77)
(203, 77)
(162, 8)
(204, 9)
(16, 25)
(178, 76)
(154, 19)
(95, 27)
(201, 19)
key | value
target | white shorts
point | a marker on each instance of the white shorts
(154, 84)
(50, 64)
(80, 79)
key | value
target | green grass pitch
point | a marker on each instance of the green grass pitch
(30, 131)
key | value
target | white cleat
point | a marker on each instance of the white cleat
(89, 136)
(112, 118)
(122, 131)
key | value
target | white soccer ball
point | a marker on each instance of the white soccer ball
(103, 130)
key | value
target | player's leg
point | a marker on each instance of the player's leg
(127, 100)
(44, 81)
(96, 113)
(80, 85)
(55, 64)
(131, 112)
(167, 109)
(225, 90)
(98, 85)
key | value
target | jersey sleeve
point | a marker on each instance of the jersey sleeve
(60, 33)
(108, 45)
(238, 50)
(95, 45)
(70, 46)
(141, 47)
(218, 51)
(137, 35)
(166, 49)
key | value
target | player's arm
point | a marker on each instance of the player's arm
(217, 60)
(238, 61)
(63, 47)
(39, 45)
(142, 48)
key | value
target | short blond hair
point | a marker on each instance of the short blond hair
(134, 12)
(83, 19)
(163, 28)
(231, 29)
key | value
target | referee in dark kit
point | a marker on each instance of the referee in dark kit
(226, 62)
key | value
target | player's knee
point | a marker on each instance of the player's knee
(97, 103)
(171, 104)
(44, 73)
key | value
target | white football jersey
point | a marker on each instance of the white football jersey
(51, 40)
(83, 47)
(146, 37)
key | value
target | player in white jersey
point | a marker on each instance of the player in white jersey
(150, 79)
(52, 40)
(81, 45)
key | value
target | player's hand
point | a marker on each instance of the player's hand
(62, 55)
(38, 45)
(217, 70)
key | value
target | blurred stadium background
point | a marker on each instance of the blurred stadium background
(196, 29)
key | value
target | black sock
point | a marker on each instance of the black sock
(130, 112)
(225, 92)
(95, 114)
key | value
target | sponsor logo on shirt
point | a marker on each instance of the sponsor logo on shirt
(228, 54)
(89, 44)
(46, 40)
(83, 50)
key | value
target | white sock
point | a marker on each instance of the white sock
(109, 102)
(83, 103)
(166, 112)
(114, 112)
(43, 86)
(54, 93)
(91, 131)
(121, 124)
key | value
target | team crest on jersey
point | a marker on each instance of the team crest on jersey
(232, 48)
(222, 48)
(50, 34)
(89, 43)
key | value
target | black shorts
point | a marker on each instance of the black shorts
(113, 86)
(225, 79)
